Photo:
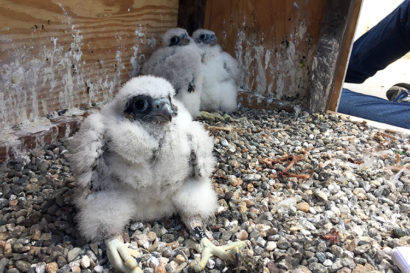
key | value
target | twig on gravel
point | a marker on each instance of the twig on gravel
(332, 237)
(285, 173)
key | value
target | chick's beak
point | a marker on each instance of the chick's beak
(213, 40)
(185, 40)
(162, 110)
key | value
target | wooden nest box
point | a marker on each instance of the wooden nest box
(58, 56)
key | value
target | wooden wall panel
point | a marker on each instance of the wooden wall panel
(73, 53)
(274, 41)
(343, 61)
(332, 53)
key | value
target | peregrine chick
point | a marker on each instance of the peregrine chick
(141, 157)
(178, 61)
(220, 74)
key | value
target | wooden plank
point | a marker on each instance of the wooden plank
(191, 14)
(274, 42)
(329, 52)
(73, 53)
(341, 67)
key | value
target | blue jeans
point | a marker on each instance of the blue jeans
(381, 45)
(375, 108)
(373, 51)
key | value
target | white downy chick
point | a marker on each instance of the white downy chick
(178, 61)
(143, 158)
(220, 74)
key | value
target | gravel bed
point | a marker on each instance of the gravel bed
(312, 193)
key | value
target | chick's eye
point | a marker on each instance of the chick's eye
(174, 40)
(202, 36)
(141, 105)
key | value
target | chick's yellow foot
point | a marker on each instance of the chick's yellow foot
(121, 257)
(226, 252)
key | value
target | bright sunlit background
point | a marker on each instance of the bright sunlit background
(372, 12)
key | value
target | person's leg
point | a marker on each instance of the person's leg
(384, 43)
(374, 108)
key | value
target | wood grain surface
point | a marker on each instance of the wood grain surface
(57, 55)
(343, 61)
(332, 52)
(274, 42)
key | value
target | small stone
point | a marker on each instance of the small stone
(337, 251)
(362, 249)
(250, 187)
(270, 246)
(399, 232)
(327, 263)
(76, 269)
(3, 264)
(251, 177)
(261, 242)
(179, 259)
(367, 268)
(301, 269)
(317, 268)
(234, 181)
(98, 269)
(242, 235)
(137, 225)
(283, 243)
(336, 265)
(171, 267)
(36, 234)
(303, 206)
(160, 268)
(94, 248)
(321, 256)
(45, 237)
(7, 249)
(151, 236)
(360, 193)
(321, 195)
(51, 267)
(210, 264)
(348, 262)
(23, 266)
(73, 253)
(242, 207)
(344, 270)
(85, 262)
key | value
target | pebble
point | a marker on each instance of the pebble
(321, 194)
(242, 235)
(23, 266)
(270, 246)
(85, 262)
(179, 259)
(73, 253)
(303, 206)
(51, 267)
(3, 264)
(251, 177)
(317, 268)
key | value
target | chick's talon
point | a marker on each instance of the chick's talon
(121, 257)
(228, 252)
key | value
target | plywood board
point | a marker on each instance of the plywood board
(329, 64)
(57, 55)
(274, 42)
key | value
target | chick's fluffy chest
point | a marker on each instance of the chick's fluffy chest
(156, 160)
